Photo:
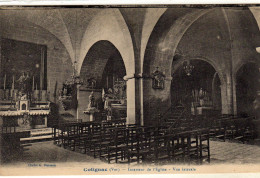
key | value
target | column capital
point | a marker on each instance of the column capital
(143, 76)
(136, 76)
(130, 76)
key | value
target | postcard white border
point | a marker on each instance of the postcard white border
(137, 2)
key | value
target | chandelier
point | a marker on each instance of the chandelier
(188, 67)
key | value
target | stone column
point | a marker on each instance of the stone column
(1, 80)
(142, 82)
(234, 97)
(229, 96)
(0, 56)
(145, 105)
(141, 94)
(1, 124)
(224, 99)
(78, 96)
(130, 94)
(133, 99)
(213, 90)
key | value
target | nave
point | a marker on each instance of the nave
(127, 86)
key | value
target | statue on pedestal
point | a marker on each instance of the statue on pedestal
(91, 110)
(91, 103)
(201, 96)
(24, 85)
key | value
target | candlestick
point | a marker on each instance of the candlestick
(42, 69)
(12, 93)
(33, 84)
(36, 94)
(107, 81)
(113, 80)
(13, 83)
(4, 81)
(43, 95)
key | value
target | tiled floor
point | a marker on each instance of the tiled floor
(234, 153)
(221, 152)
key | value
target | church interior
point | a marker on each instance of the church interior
(126, 85)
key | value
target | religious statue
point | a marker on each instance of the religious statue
(158, 79)
(24, 84)
(91, 110)
(24, 97)
(256, 106)
(201, 93)
(110, 93)
(91, 83)
(107, 99)
(91, 103)
(120, 89)
(103, 95)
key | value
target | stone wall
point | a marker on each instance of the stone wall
(223, 38)
(59, 66)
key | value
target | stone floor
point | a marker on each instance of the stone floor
(234, 153)
(47, 152)
(221, 152)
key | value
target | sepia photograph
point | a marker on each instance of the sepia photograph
(129, 89)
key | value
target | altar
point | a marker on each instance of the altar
(24, 87)
(23, 114)
(24, 107)
(118, 111)
(115, 102)
(202, 110)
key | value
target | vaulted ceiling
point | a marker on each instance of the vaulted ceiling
(69, 25)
